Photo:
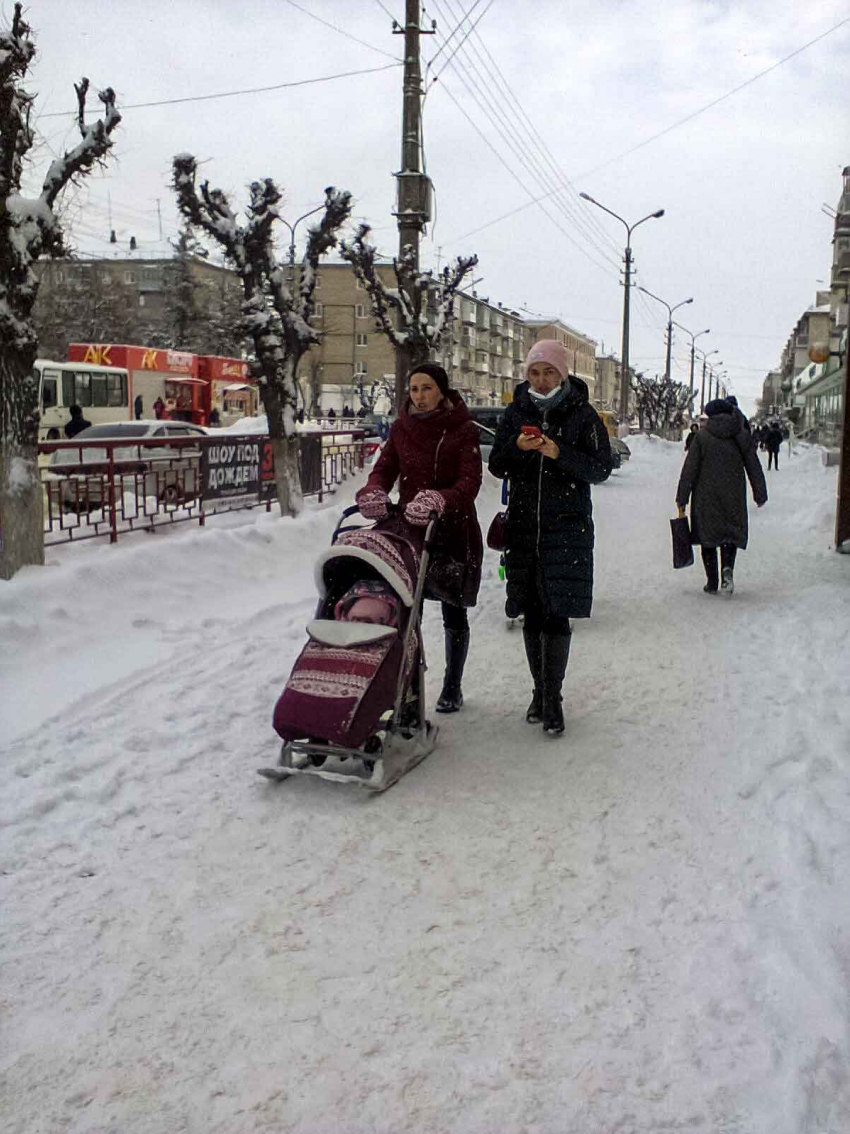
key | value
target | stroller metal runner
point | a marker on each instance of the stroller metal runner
(353, 709)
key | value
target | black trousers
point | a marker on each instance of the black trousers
(454, 617)
(773, 455)
(728, 551)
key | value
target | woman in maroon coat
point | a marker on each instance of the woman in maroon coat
(432, 451)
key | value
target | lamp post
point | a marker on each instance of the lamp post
(670, 311)
(705, 358)
(292, 228)
(694, 338)
(624, 373)
(714, 373)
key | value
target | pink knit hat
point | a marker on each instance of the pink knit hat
(552, 352)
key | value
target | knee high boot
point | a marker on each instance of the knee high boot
(534, 653)
(556, 654)
(457, 647)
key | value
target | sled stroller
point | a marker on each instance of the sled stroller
(353, 709)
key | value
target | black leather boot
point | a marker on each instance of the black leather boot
(457, 647)
(709, 562)
(534, 653)
(556, 654)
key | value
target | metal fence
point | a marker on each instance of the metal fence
(109, 487)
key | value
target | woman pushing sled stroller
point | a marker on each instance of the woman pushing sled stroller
(353, 709)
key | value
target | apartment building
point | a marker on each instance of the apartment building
(485, 351)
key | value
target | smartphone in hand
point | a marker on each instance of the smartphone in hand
(531, 430)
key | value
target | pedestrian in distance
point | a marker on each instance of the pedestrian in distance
(139, 407)
(331, 414)
(432, 452)
(688, 440)
(77, 423)
(552, 446)
(773, 443)
(714, 480)
(159, 409)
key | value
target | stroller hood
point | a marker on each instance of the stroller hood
(377, 550)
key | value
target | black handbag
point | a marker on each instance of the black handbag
(683, 550)
(497, 533)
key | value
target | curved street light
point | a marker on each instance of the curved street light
(705, 358)
(624, 352)
(292, 228)
(670, 311)
(694, 338)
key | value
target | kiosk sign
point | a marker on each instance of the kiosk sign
(231, 468)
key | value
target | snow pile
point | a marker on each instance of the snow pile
(640, 927)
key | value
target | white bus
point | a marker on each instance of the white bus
(102, 392)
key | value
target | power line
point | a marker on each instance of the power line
(464, 38)
(233, 94)
(342, 31)
(381, 4)
(660, 134)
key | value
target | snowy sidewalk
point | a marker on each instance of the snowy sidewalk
(640, 927)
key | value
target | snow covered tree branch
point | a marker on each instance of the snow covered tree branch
(414, 314)
(661, 403)
(29, 229)
(276, 313)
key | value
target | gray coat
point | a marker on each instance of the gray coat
(713, 479)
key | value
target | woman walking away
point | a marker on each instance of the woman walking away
(690, 437)
(552, 446)
(432, 451)
(713, 479)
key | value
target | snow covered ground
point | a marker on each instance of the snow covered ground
(641, 927)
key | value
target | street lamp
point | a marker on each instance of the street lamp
(694, 338)
(292, 228)
(705, 358)
(670, 311)
(624, 374)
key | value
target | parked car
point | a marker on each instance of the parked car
(619, 450)
(170, 474)
(487, 415)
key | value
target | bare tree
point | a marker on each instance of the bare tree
(29, 229)
(661, 403)
(414, 314)
(275, 315)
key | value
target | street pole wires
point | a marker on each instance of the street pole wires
(460, 42)
(497, 79)
(234, 94)
(514, 136)
(342, 31)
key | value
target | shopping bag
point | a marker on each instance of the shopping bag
(683, 551)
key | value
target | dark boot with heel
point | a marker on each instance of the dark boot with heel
(534, 653)
(457, 647)
(556, 654)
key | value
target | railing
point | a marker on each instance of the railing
(110, 487)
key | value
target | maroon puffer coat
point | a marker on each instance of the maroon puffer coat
(440, 452)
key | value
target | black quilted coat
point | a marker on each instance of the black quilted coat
(714, 479)
(550, 513)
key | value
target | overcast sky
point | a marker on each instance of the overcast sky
(565, 89)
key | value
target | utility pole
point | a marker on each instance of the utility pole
(413, 208)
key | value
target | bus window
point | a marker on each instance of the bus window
(48, 393)
(117, 389)
(82, 388)
(68, 398)
(98, 390)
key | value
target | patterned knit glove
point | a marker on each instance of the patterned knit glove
(372, 503)
(419, 510)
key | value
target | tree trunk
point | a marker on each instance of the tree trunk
(21, 507)
(287, 471)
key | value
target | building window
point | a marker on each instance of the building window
(318, 311)
(141, 301)
(318, 280)
(361, 340)
(360, 311)
(129, 277)
(59, 276)
(358, 284)
(360, 367)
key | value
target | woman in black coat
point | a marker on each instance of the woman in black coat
(713, 479)
(552, 446)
